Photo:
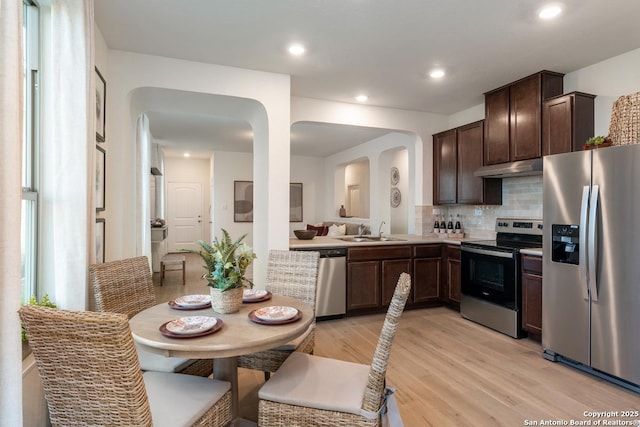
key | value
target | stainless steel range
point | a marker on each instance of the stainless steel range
(490, 275)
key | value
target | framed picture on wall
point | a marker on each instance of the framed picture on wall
(101, 158)
(242, 201)
(295, 202)
(100, 238)
(101, 105)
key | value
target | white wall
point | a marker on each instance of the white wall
(310, 172)
(268, 114)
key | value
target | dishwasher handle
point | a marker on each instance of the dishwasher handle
(333, 252)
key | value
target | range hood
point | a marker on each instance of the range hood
(506, 170)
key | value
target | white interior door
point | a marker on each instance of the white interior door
(184, 206)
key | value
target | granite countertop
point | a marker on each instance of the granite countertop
(400, 239)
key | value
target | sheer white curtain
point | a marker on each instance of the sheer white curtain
(67, 156)
(143, 167)
(11, 104)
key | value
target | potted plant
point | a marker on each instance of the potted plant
(597, 142)
(226, 262)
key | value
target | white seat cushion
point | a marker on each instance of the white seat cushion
(295, 343)
(180, 400)
(318, 382)
(155, 362)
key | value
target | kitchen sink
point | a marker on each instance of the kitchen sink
(370, 239)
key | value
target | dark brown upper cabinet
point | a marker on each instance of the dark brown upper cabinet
(457, 154)
(513, 117)
(567, 122)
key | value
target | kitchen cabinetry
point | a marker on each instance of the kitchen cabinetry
(513, 123)
(457, 153)
(451, 286)
(372, 274)
(427, 273)
(567, 122)
(532, 295)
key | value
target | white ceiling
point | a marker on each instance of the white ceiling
(383, 48)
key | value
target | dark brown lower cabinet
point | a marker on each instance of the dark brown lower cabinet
(532, 295)
(452, 287)
(363, 285)
(427, 273)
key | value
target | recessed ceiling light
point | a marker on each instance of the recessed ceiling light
(296, 49)
(549, 12)
(362, 98)
(187, 154)
(436, 74)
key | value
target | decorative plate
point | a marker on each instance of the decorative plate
(164, 331)
(193, 300)
(276, 313)
(191, 325)
(254, 295)
(254, 319)
(395, 175)
(396, 197)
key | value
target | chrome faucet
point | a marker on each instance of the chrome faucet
(380, 229)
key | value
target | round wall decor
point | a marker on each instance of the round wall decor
(395, 175)
(396, 197)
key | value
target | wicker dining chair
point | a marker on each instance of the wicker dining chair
(318, 391)
(293, 274)
(126, 287)
(91, 375)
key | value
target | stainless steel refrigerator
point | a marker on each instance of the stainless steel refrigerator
(591, 261)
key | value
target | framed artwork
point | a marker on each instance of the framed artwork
(295, 202)
(101, 105)
(100, 178)
(100, 237)
(243, 201)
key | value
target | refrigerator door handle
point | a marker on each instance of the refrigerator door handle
(593, 211)
(582, 257)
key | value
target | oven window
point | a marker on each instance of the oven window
(489, 274)
(491, 278)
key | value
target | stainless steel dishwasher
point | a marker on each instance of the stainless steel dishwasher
(331, 299)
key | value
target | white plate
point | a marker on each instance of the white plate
(191, 325)
(193, 300)
(276, 312)
(250, 294)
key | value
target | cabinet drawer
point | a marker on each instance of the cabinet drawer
(453, 252)
(427, 251)
(378, 253)
(532, 264)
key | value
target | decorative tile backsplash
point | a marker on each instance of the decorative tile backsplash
(521, 198)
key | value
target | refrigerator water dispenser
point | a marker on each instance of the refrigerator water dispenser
(565, 246)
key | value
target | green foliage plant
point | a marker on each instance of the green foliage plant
(226, 262)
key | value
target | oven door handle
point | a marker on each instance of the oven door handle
(488, 252)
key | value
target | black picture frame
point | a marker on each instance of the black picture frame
(243, 201)
(100, 181)
(101, 106)
(100, 240)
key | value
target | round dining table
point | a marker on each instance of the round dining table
(238, 335)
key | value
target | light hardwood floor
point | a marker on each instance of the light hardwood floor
(448, 371)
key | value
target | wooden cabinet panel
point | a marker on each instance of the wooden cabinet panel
(496, 131)
(444, 162)
(567, 122)
(513, 122)
(470, 137)
(524, 109)
(363, 285)
(453, 274)
(532, 294)
(377, 253)
(427, 279)
(391, 270)
(457, 154)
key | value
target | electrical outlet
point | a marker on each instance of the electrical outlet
(478, 212)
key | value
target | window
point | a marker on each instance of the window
(30, 138)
